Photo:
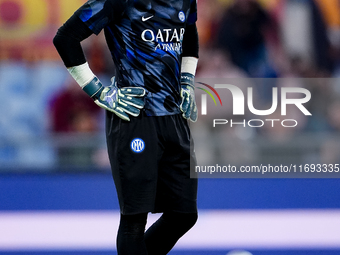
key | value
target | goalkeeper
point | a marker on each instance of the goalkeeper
(154, 45)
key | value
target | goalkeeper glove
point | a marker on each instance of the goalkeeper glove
(121, 101)
(188, 105)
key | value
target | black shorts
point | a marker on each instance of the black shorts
(150, 160)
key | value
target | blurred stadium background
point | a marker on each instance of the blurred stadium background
(56, 192)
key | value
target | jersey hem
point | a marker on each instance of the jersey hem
(160, 113)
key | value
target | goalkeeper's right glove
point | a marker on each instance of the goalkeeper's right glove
(121, 101)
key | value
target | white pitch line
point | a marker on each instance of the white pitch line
(215, 229)
(265, 229)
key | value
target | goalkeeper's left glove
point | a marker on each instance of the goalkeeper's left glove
(188, 105)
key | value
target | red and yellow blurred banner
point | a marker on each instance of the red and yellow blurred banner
(27, 27)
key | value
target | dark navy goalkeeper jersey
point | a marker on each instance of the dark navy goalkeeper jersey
(146, 46)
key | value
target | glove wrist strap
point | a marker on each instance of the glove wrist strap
(94, 88)
(188, 79)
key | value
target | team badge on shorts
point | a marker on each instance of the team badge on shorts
(137, 145)
(181, 16)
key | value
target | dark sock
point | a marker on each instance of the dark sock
(130, 238)
(165, 232)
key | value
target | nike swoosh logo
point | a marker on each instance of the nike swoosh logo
(147, 18)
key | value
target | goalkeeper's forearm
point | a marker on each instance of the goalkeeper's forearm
(189, 55)
(67, 42)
